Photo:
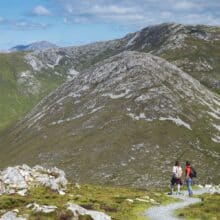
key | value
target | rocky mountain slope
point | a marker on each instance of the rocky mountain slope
(195, 49)
(118, 121)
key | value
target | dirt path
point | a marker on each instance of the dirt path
(165, 212)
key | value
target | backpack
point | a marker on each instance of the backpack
(192, 172)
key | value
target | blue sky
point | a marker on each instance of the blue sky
(76, 22)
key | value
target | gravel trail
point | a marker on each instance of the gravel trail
(165, 212)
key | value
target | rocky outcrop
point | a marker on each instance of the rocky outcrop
(41, 208)
(20, 179)
(76, 209)
(12, 215)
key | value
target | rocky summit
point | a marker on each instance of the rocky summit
(123, 121)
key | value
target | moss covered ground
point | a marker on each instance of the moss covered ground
(112, 201)
(207, 209)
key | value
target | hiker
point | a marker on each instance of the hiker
(188, 178)
(176, 178)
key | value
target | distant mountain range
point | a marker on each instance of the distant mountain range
(120, 111)
(40, 45)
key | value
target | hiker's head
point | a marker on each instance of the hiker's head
(177, 163)
(187, 163)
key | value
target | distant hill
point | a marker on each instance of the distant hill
(40, 45)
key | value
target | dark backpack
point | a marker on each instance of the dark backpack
(192, 172)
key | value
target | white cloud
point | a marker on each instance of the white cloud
(165, 14)
(139, 12)
(22, 24)
(185, 5)
(201, 19)
(29, 25)
(111, 9)
(41, 11)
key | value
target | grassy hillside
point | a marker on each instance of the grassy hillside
(17, 94)
(199, 58)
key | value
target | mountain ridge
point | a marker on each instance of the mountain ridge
(121, 112)
(195, 49)
(125, 111)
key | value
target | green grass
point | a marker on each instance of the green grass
(101, 198)
(208, 209)
(15, 98)
(197, 50)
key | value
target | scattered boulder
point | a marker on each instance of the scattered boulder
(41, 208)
(129, 200)
(77, 185)
(142, 200)
(78, 210)
(12, 215)
(19, 179)
(146, 197)
(212, 188)
(22, 192)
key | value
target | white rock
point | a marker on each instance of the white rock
(19, 179)
(94, 214)
(22, 192)
(13, 177)
(142, 200)
(11, 216)
(77, 186)
(146, 197)
(41, 208)
(62, 193)
(129, 200)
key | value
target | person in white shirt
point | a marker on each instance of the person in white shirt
(176, 178)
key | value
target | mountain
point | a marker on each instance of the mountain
(132, 107)
(123, 121)
(194, 49)
(40, 45)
